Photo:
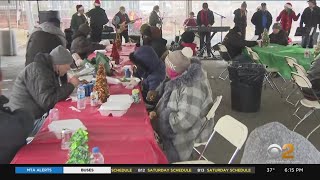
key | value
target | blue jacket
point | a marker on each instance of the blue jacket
(150, 68)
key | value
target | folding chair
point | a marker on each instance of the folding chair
(209, 117)
(303, 82)
(223, 50)
(233, 131)
(291, 61)
(255, 57)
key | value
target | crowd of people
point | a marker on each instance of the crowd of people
(174, 84)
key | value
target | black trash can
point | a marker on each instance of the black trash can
(246, 86)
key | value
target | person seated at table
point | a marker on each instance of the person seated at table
(185, 100)
(235, 44)
(150, 69)
(82, 45)
(38, 87)
(152, 37)
(15, 126)
(278, 36)
(187, 39)
(314, 77)
(191, 21)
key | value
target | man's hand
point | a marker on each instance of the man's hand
(151, 96)
(74, 81)
(153, 115)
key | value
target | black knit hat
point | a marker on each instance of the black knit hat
(244, 4)
(79, 6)
(188, 37)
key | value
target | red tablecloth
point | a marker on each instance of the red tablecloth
(122, 140)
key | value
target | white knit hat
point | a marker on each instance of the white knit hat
(180, 60)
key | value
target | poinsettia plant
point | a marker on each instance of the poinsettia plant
(79, 149)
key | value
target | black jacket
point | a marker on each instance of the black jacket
(310, 18)
(257, 21)
(14, 129)
(123, 18)
(84, 46)
(37, 88)
(239, 20)
(98, 17)
(154, 19)
(281, 38)
(39, 42)
(210, 18)
(235, 43)
(76, 21)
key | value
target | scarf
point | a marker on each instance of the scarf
(204, 18)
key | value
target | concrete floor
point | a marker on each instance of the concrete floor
(273, 108)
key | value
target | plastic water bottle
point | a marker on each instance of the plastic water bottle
(96, 157)
(81, 98)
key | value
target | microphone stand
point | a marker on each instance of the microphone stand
(221, 18)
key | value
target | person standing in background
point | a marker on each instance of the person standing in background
(191, 21)
(154, 19)
(262, 19)
(310, 18)
(205, 18)
(118, 20)
(98, 18)
(286, 16)
(78, 18)
(240, 18)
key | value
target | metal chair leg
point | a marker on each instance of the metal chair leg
(274, 84)
(287, 99)
(205, 147)
(305, 116)
(314, 128)
(200, 153)
(220, 76)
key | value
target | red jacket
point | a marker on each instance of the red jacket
(286, 19)
(193, 46)
(190, 22)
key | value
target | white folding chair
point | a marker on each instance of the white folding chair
(194, 162)
(303, 82)
(224, 50)
(291, 61)
(209, 117)
(232, 130)
(255, 57)
(300, 69)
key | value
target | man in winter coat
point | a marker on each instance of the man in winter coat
(38, 87)
(149, 68)
(44, 39)
(240, 18)
(186, 98)
(310, 18)
(314, 77)
(286, 16)
(154, 19)
(152, 37)
(235, 44)
(98, 18)
(78, 18)
(278, 36)
(264, 146)
(122, 17)
(262, 19)
(15, 126)
(82, 45)
(205, 18)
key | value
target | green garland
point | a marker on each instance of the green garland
(265, 38)
(79, 149)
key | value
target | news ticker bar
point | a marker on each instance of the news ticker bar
(134, 170)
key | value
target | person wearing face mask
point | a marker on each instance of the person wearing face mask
(286, 16)
(154, 19)
(15, 126)
(185, 100)
(39, 87)
(121, 21)
(240, 18)
(82, 45)
(149, 68)
(78, 18)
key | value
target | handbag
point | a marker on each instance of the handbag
(301, 31)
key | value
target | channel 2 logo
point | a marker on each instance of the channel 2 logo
(286, 152)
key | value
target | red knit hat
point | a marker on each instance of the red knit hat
(288, 5)
(97, 3)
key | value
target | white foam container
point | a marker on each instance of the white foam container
(122, 98)
(117, 109)
(57, 126)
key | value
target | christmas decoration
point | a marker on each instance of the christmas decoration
(115, 54)
(265, 38)
(118, 41)
(101, 86)
(79, 149)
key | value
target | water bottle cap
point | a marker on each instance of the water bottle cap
(95, 150)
